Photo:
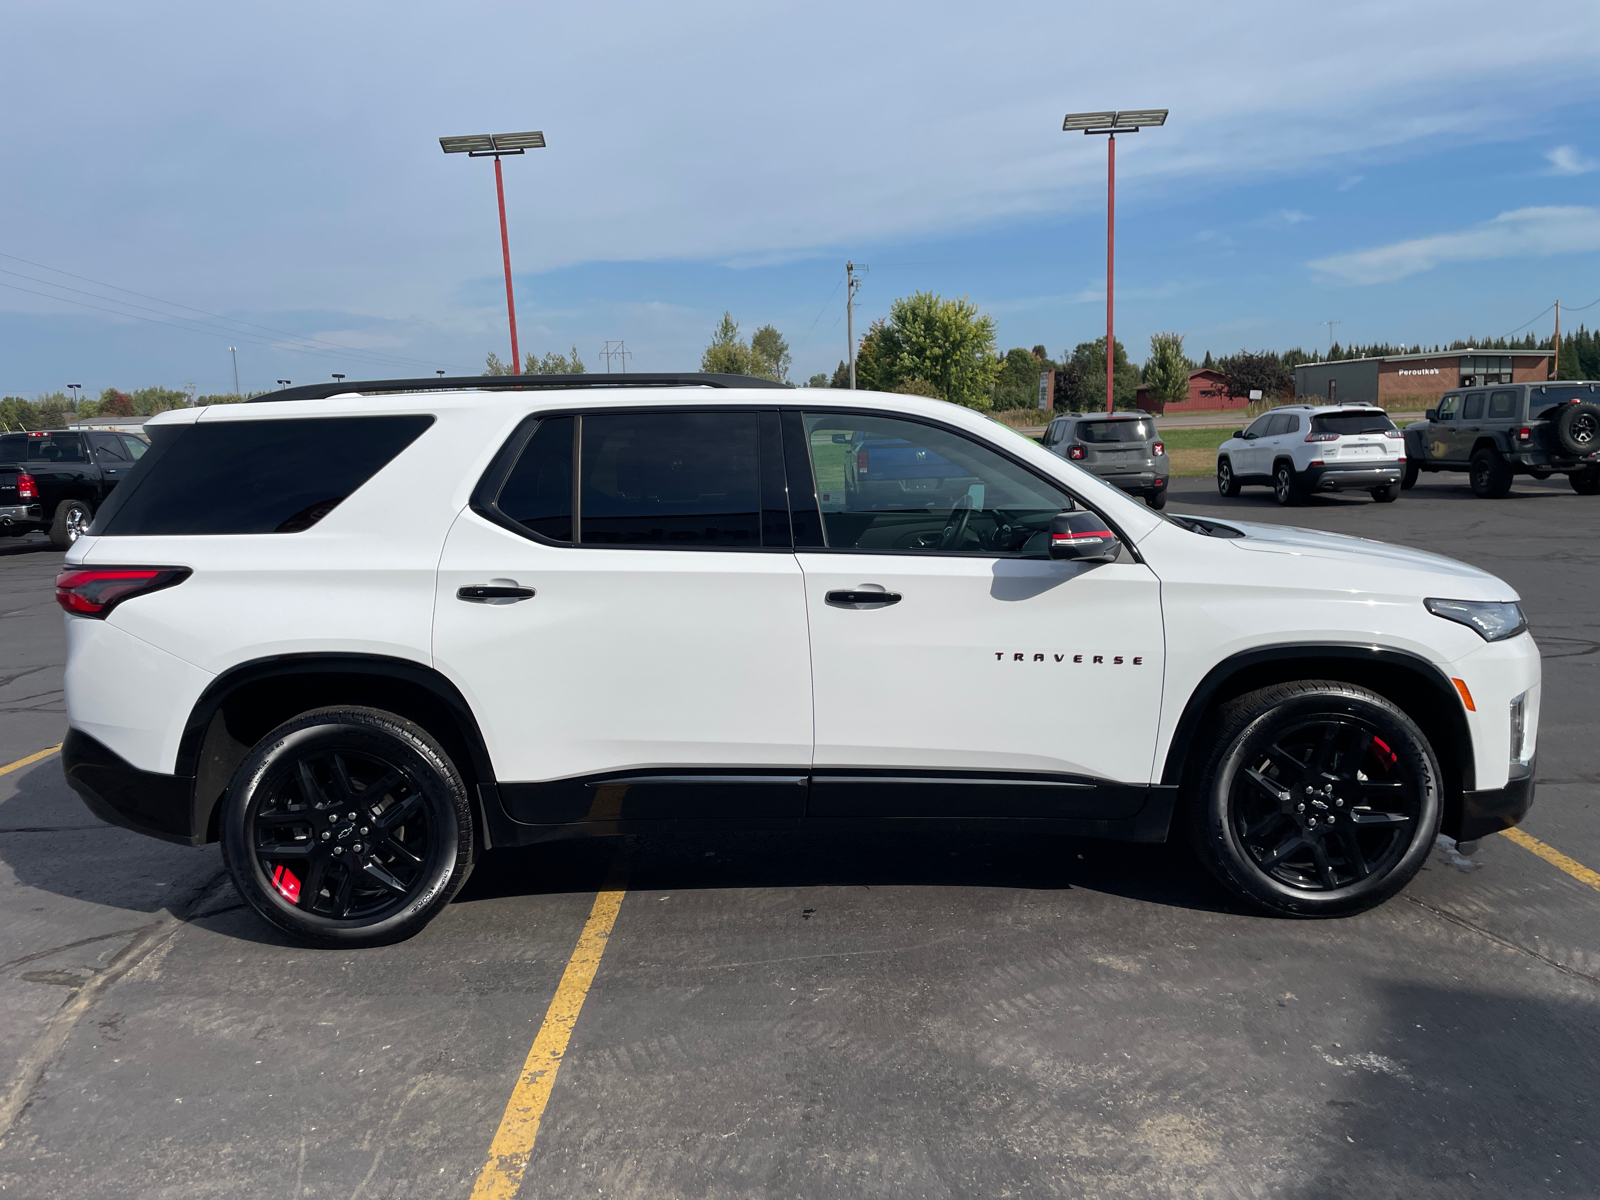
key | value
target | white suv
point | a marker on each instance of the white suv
(1302, 448)
(360, 638)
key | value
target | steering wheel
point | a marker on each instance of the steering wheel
(955, 529)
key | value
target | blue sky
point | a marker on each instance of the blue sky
(1415, 171)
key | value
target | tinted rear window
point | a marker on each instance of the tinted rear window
(1539, 398)
(279, 476)
(51, 447)
(538, 493)
(1347, 423)
(1105, 432)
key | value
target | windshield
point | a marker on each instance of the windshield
(1114, 431)
(1345, 423)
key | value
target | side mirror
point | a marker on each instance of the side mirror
(1431, 414)
(841, 439)
(1082, 536)
(1238, 433)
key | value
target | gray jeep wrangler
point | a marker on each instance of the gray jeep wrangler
(1495, 433)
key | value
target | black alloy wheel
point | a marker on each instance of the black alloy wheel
(1489, 474)
(1286, 486)
(1227, 481)
(348, 827)
(1586, 482)
(1320, 799)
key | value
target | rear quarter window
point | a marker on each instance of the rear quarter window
(230, 477)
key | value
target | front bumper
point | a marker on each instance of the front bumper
(1483, 813)
(119, 793)
(1338, 478)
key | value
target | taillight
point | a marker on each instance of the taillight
(1158, 449)
(95, 591)
(1074, 451)
(861, 462)
(1393, 433)
(1322, 437)
(1524, 434)
(27, 489)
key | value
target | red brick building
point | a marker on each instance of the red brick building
(1201, 381)
(1419, 379)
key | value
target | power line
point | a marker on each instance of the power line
(376, 354)
(1525, 324)
(825, 304)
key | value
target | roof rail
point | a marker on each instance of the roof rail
(512, 383)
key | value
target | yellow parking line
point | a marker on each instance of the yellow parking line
(501, 1175)
(32, 758)
(1555, 858)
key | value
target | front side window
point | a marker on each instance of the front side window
(1258, 427)
(670, 479)
(886, 484)
(1448, 407)
(135, 447)
(1472, 410)
(109, 446)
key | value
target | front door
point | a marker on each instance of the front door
(634, 647)
(988, 680)
(1444, 431)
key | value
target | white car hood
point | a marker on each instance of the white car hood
(1313, 543)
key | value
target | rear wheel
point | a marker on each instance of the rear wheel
(1286, 486)
(1227, 482)
(1586, 482)
(1157, 499)
(1318, 799)
(71, 522)
(1409, 479)
(1387, 494)
(348, 827)
(1489, 474)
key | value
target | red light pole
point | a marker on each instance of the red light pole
(1111, 124)
(484, 145)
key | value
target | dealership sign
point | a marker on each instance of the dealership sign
(1421, 371)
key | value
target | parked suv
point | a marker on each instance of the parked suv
(54, 479)
(1122, 448)
(360, 638)
(1301, 448)
(1497, 433)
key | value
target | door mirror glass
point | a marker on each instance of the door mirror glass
(1082, 536)
(1431, 414)
(1238, 433)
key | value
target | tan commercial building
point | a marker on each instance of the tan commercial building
(1420, 379)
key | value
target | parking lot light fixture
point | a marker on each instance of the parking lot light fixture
(1112, 123)
(75, 388)
(487, 145)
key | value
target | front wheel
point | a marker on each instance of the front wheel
(1227, 481)
(1586, 482)
(1318, 799)
(1286, 486)
(348, 827)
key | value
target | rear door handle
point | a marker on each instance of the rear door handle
(484, 593)
(863, 599)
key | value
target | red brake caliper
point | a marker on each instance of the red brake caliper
(288, 886)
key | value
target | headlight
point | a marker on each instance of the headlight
(1492, 620)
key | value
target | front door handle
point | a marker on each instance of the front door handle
(863, 599)
(485, 593)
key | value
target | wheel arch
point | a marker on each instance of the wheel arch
(1487, 443)
(1422, 691)
(246, 702)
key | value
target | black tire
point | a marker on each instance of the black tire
(1287, 487)
(72, 519)
(1489, 474)
(1408, 479)
(1387, 494)
(1586, 482)
(1156, 500)
(328, 867)
(1227, 481)
(1578, 428)
(1297, 811)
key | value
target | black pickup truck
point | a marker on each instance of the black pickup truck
(1498, 432)
(54, 480)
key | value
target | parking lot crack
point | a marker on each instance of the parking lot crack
(1506, 942)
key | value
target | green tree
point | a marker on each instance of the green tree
(1017, 385)
(224, 398)
(770, 354)
(1167, 369)
(1245, 372)
(552, 364)
(917, 387)
(151, 400)
(728, 353)
(493, 366)
(819, 380)
(116, 404)
(17, 414)
(1090, 358)
(946, 343)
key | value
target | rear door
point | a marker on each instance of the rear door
(957, 669)
(634, 646)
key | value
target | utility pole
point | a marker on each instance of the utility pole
(234, 350)
(618, 350)
(1330, 325)
(1555, 363)
(854, 286)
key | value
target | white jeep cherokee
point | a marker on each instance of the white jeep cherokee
(360, 638)
(1303, 448)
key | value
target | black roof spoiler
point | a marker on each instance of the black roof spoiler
(512, 383)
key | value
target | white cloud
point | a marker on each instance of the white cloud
(1346, 184)
(1284, 218)
(1566, 160)
(1522, 233)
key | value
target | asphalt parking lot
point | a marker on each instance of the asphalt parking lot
(795, 1015)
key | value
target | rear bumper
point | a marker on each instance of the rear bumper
(1339, 478)
(12, 515)
(1137, 482)
(1483, 813)
(119, 793)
